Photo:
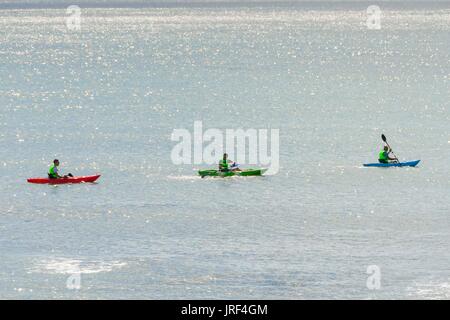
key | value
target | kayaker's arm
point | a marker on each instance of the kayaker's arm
(389, 157)
(58, 176)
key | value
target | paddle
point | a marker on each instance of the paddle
(383, 137)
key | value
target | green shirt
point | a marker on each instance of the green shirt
(53, 171)
(223, 164)
(383, 155)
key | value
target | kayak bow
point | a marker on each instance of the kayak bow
(393, 164)
(243, 173)
(64, 180)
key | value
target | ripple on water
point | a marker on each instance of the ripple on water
(431, 290)
(71, 266)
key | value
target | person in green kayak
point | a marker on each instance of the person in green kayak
(224, 164)
(384, 157)
(53, 172)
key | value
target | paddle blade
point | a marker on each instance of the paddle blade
(383, 137)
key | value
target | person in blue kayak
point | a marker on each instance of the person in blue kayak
(384, 157)
(53, 172)
(224, 164)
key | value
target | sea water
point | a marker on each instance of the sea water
(107, 97)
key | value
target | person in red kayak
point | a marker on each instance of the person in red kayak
(384, 157)
(53, 171)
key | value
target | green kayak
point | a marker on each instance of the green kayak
(243, 173)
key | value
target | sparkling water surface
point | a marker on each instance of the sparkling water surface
(106, 99)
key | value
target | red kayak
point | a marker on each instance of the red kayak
(64, 180)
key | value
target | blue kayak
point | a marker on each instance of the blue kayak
(393, 164)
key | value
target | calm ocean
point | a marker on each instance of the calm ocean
(106, 99)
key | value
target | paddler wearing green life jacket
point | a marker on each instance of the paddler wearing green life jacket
(224, 164)
(53, 171)
(384, 157)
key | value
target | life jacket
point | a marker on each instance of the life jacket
(223, 164)
(51, 171)
(383, 155)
